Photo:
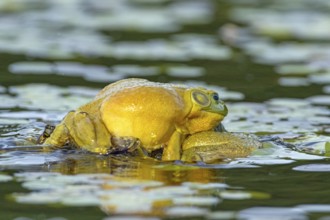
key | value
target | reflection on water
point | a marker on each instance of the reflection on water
(124, 184)
(132, 168)
(56, 55)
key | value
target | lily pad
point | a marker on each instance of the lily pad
(135, 70)
(320, 78)
(2, 89)
(5, 178)
(313, 168)
(320, 100)
(130, 218)
(275, 212)
(31, 68)
(235, 195)
(294, 69)
(318, 208)
(241, 195)
(23, 117)
(115, 195)
(38, 198)
(25, 159)
(285, 23)
(205, 186)
(293, 81)
(186, 211)
(277, 116)
(198, 200)
(34, 96)
(223, 93)
(87, 21)
(221, 215)
(326, 89)
(185, 71)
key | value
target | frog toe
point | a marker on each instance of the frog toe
(120, 144)
(45, 134)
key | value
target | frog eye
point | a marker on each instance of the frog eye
(215, 96)
(201, 98)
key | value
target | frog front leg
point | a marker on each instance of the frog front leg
(78, 129)
(173, 149)
(89, 133)
(58, 136)
(129, 144)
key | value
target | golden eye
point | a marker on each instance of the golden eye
(201, 98)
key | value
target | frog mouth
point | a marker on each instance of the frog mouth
(219, 108)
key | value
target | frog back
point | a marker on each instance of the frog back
(146, 110)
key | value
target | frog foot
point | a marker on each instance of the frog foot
(278, 141)
(45, 134)
(120, 144)
(220, 128)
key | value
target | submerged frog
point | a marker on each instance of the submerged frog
(137, 112)
(213, 146)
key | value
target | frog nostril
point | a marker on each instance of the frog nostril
(223, 108)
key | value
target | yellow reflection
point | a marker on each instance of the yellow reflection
(130, 167)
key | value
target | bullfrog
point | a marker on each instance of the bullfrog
(137, 113)
(215, 146)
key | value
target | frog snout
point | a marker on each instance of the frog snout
(223, 110)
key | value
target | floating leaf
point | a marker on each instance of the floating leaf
(313, 168)
(31, 68)
(34, 96)
(320, 78)
(274, 212)
(318, 208)
(135, 70)
(320, 99)
(2, 89)
(113, 194)
(186, 211)
(223, 93)
(285, 23)
(294, 69)
(293, 81)
(18, 117)
(235, 195)
(326, 89)
(221, 215)
(38, 198)
(6, 121)
(25, 159)
(185, 71)
(204, 186)
(131, 218)
(5, 178)
(198, 200)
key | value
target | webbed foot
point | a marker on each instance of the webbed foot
(45, 134)
(129, 144)
(220, 128)
(278, 141)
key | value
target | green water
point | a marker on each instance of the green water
(269, 61)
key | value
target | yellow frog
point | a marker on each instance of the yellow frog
(212, 146)
(137, 112)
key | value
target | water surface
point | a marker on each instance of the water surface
(269, 60)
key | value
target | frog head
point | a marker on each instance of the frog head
(206, 110)
(209, 101)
